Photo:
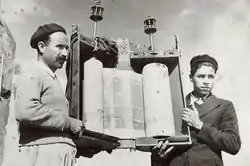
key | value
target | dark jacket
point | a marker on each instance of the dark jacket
(219, 133)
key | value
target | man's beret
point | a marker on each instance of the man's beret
(196, 60)
(45, 30)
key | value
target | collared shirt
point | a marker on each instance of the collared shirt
(199, 101)
(194, 99)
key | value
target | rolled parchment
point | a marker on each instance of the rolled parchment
(159, 118)
(93, 95)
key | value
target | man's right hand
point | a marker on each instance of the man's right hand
(162, 149)
(76, 127)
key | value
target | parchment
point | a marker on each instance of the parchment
(122, 113)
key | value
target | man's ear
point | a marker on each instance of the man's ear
(41, 46)
(190, 78)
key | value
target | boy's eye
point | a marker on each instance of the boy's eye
(211, 76)
(201, 76)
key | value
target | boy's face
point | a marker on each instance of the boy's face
(203, 80)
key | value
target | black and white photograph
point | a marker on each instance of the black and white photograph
(124, 82)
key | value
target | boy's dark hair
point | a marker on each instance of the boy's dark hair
(199, 60)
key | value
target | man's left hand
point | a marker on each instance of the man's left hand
(89, 153)
(192, 117)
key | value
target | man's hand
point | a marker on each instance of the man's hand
(192, 117)
(162, 149)
(89, 153)
(76, 127)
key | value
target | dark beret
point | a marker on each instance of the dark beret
(196, 60)
(45, 30)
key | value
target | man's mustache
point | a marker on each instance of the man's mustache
(62, 58)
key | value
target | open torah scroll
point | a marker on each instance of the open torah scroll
(125, 104)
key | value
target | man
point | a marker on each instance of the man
(46, 130)
(213, 122)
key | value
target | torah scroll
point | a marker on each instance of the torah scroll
(93, 95)
(159, 118)
(126, 104)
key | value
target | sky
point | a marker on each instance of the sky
(219, 28)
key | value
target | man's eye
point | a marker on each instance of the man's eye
(61, 46)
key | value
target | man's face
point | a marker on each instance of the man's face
(203, 80)
(56, 51)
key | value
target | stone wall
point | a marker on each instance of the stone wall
(7, 54)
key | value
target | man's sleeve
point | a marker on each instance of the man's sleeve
(29, 108)
(227, 138)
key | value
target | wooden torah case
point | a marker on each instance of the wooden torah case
(81, 51)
